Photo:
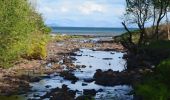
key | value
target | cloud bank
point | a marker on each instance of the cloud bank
(82, 13)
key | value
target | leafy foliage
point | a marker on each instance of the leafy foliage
(20, 27)
(156, 85)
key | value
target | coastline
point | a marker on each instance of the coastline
(16, 79)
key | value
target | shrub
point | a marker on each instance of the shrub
(156, 85)
(163, 70)
(20, 26)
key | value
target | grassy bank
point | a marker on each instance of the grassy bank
(22, 32)
(155, 85)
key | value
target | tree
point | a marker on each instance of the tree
(140, 12)
(160, 9)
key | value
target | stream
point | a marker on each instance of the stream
(92, 60)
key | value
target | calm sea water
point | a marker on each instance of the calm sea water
(89, 31)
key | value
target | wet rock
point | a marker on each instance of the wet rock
(91, 92)
(48, 86)
(73, 59)
(112, 78)
(67, 60)
(45, 76)
(112, 53)
(60, 94)
(36, 95)
(84, 84)
(107, 58)
(83, 66)
(90, 66)
(79, 55)
(72, 54)
(92, 56)
(30, 78)
(108, 49)
(84, 98)
(88, 80)
(68, 76)
(100, 90)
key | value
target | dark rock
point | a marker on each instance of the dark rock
(84, 84)
(61, 96)
(68, 76)
(91, 92)
(36, 95)
(90, 66)
(84, 98)
(73, 59)
(88, 80)
(112, 53)
(92, 56)
(72, 54)
(79, 55)
(112, 78)
(100, 90)
(83, 66)
(64, 87)
(107, 58)
(48, 86)
(45, 76)
(67, 60)
(35, 79)
(30, 78)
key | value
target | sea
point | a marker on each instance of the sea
(92, 31)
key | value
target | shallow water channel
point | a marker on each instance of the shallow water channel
(93, 60)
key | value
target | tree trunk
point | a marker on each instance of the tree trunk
(168, 30)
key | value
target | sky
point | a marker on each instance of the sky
(82, 13)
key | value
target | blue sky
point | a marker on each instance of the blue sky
(82, 13)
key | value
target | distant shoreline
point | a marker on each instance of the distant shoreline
(91, 31)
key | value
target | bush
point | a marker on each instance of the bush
(20, 26)
(153, 91)
(156, 85)
(163, 70)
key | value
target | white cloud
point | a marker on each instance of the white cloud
(102, 13)
(91, 7)
(64, 9)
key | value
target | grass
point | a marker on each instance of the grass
(59, 38)
(156, 85)
(135, 36)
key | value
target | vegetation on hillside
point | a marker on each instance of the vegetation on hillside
(149, 44)
(22, 32)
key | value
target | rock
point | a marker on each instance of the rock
(84, 84)
(68, 76)
(56, 66)
(67, 60)
(35, 79)
(107, 58)
(72, 54)
(61, 96)
(100, 90)
(91, 92)
(112, 78)
(36, 95)
(30, 78)
(83, 66)
(84, 98)
(88, 80)
(48, 86)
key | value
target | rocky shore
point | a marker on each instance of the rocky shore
(16, 80)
